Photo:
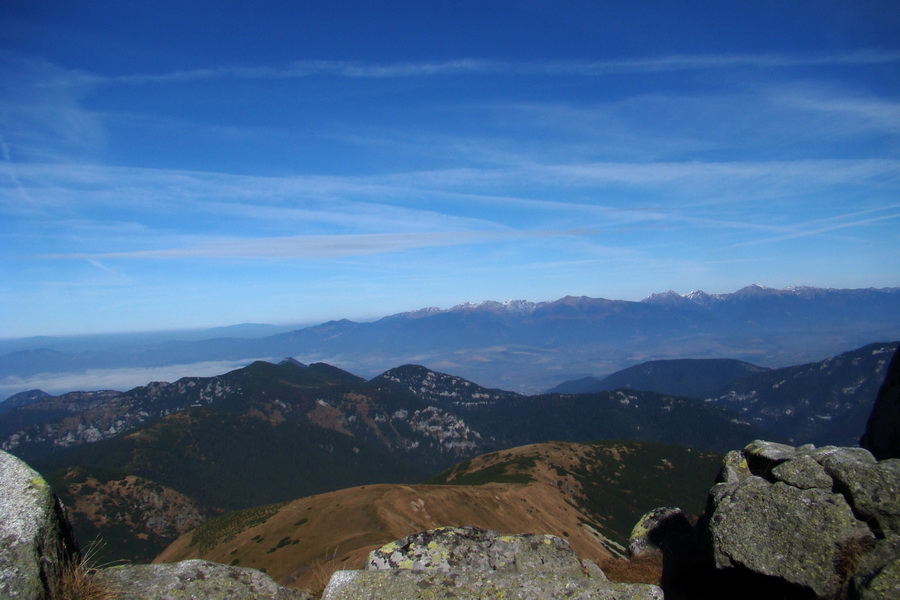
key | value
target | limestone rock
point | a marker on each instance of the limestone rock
(195, 579)
(882, 435)
(472, 563)
(36, 542)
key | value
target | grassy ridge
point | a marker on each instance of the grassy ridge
(619, 480)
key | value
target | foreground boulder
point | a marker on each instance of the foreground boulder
(194, 579)
(800, 522)
(467, 562)
(36, 542)
(781, 531)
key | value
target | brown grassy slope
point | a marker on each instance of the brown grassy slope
(590, 494)
(337, 530)
(612, 482)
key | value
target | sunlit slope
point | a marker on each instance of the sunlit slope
(590, 494)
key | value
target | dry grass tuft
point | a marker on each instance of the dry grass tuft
(322, 570)
(81, 583)
(647, 568)
(849, 554)
(78, 580)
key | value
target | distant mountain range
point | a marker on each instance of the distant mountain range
(519, 345)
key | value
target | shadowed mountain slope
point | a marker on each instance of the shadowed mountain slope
(227, 460)
(693, 378)
(826, 402)
(124, 517)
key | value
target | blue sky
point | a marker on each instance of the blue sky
(190, 164)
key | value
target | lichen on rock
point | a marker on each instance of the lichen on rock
(654, 527)
(455, 549)
(782, 531)
(36, 541)
(473, 563)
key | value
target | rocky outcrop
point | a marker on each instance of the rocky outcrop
(882, 436)
(193, 579)
(794, 522)
(658, 527)
(36, 543)
(467, 562)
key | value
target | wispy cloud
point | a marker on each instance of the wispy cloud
(657, 64)
(817, 227)
(417, 209)
(879, 114)
(99, 265)
(312, 247)
(11, 172)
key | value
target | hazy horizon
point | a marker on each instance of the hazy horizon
(194, 332)
(176, 166)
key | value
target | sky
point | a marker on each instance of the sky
(170, 165)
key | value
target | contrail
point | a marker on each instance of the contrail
(7, 158)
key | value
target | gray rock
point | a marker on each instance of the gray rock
(36, 543)
(802, 472)
(467, 562)
(195, 580)
(473, 585)
(463, 549)
(841, 461)
(734, 467)
(770, 451)
(782, 531)
(872, 488)
(885, 585)
(591, 569)
(870, 579)
(882, 435)
(652, 529)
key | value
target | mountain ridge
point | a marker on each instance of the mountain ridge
(526, 346)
